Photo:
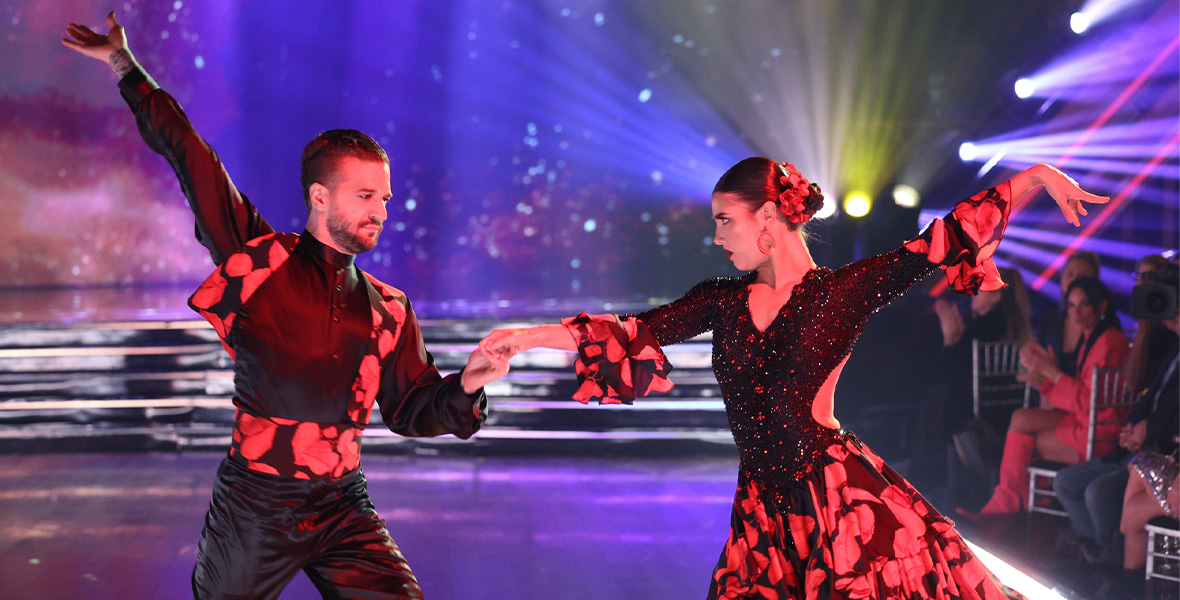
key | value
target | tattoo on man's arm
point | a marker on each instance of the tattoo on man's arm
(122, 62)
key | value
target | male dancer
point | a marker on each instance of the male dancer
(315, 342)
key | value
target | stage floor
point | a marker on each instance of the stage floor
(126, 525)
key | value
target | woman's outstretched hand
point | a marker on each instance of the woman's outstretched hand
(507, 342)
(1063, 189)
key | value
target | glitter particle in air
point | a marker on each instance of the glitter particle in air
(199, 61)
(645, 94)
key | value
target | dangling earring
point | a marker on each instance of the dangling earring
(765, 242)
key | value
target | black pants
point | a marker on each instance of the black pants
(262, 529)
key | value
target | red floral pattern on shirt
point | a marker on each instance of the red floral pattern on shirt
(287, 447)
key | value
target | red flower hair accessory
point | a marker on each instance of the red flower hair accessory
(798, 201)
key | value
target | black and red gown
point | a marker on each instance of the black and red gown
(817, 514)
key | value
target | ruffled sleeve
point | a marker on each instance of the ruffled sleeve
(618, 359)
(963, 242)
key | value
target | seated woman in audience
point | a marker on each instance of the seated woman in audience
(1152, 491)
(996, 316)
(1055, 330)
(1059, 433)
(1092, 492)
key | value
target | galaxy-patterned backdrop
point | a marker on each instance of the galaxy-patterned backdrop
(550, 150)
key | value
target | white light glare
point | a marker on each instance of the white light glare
(1012, 577)
(827, 209)
(1024, 87)
(1079, 22)
(967, 151)
(906, 196)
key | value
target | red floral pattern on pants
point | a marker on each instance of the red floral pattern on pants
(857, 529)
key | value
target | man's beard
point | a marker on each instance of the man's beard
(348, 237)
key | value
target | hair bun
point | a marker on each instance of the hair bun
(800, 199)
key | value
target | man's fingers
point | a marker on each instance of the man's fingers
(111, 22)
(82, 30)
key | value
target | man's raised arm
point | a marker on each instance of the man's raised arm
(225, 218)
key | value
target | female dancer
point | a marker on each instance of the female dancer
(817, 514)
(1059, 433)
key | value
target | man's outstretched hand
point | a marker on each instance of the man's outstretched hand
(110, 48)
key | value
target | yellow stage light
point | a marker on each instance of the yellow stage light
(857, 204)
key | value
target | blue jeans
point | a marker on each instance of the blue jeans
(1092, 494)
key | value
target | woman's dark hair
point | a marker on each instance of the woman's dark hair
(755, 181)
(1014, 306)
(1097, 293)
(322, 155)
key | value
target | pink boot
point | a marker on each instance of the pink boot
(1009, 495)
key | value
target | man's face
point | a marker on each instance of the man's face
(356, 204)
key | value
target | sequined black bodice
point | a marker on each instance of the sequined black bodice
(770, 379)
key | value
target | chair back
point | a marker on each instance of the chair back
(994, 366)
(1110, 403)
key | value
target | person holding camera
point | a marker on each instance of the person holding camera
(1092, 491)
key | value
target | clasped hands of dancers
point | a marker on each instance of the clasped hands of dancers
(816, 514)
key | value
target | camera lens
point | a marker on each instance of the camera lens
(1156, 302)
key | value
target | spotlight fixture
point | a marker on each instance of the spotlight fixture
(1024, 87)
(1079, 22)
(906, 196)
(857, 204)
(967, 152)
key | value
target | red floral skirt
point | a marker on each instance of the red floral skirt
(855, 529)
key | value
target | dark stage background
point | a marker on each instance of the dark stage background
(544, 152)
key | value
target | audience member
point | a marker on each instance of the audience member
(1092, 492)
(1056, 331)
(1059, 433)
(1152, 336)
(998, 316)
(1153, 490)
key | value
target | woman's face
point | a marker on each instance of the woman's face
(737, 231)
(1074, 269)
(1082, 313)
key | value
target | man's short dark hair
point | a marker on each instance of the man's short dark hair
(322, 155)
